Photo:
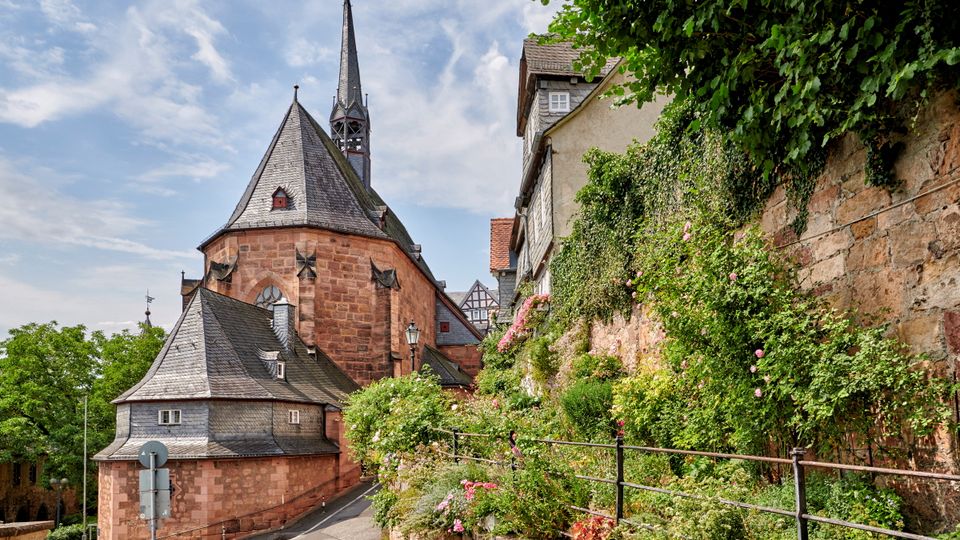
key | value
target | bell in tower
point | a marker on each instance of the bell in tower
(350, 119)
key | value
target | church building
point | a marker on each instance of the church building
(307, 291)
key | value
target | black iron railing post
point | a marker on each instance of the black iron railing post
(799, 482)
(619, 514)
(456, 445)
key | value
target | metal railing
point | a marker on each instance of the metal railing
(796, 462)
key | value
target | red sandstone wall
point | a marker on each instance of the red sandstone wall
(220, 497)
(468, 356)
(340, 311)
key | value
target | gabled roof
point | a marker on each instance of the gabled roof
(449, 371)
(547, 60)
(216, 351)
(323, 188)
(500, 229)
(475, 287)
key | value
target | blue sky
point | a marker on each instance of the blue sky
(129, 131)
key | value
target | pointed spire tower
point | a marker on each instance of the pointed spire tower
(350, 120)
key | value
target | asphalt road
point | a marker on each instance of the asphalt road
(349, 517)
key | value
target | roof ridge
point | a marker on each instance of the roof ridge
(160, 358)
(257, 174)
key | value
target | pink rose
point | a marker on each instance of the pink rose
(639, 273)
(686, 226)
(758, 393)
(759, 353)
(686, 236)
(753, 369)
(620, 423)
(496, 404)
(733, 276)
(490, 485)
(458, 526)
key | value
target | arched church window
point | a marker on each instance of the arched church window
(280, 199)
(269, 296)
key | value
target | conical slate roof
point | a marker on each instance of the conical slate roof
(324, 190)
(217, 350)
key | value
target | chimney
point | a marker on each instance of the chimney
(284, 317)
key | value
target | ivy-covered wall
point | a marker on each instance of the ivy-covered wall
(894, 264)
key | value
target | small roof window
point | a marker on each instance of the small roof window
(280, 199)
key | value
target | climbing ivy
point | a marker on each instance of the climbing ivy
(781, 78)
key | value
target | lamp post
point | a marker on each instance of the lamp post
(59, 486)
(413, 336)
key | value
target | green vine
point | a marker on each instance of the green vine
(780, 78)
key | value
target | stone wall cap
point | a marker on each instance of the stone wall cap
(8, 530)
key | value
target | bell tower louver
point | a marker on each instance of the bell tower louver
(350, 119)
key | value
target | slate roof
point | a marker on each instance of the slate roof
(555, 58)
(253, 445)
(449, 371)
(500, 230)
(215, 350)
(323, 188)
(457, 296)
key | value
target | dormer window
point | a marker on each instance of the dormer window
(559, 101)
(280, 199)
(281, 370)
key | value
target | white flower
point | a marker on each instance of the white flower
(453, 407)
(376, 436)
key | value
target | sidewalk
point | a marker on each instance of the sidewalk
(349, 517)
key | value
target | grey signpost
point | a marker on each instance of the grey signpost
(154, 485)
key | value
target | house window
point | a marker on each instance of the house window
(281, 370)
(168, 417)
(294, 416)
(32, 474)
(483, 315)
(444, 326)
(559, 101)
(280, 199)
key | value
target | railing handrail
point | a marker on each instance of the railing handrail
(797, 462)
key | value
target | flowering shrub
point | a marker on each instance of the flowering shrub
(592, 528)
(394, 415)
(523, 324)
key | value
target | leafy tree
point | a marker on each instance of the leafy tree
(782, 77)
(45, 373)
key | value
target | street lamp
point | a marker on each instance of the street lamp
(413, 336)
(59, 485)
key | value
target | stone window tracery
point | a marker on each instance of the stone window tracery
(269, 296)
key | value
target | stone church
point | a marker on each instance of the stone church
(307, 290)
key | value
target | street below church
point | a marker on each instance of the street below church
(349, 517)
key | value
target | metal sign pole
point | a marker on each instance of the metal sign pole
(153, 496)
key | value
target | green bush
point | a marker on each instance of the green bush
(587, 404)
(492, 381)
(395, 415)
(69, 532)
(600, 367)
(544, 363)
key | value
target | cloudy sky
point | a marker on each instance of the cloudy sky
(129, 131)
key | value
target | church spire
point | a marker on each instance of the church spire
(350, 120)
(348, 91)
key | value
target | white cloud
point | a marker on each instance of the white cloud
(304, 52)
(101, 305)
(31, 210)
(9, 259)
(64, 14)
(137, 76)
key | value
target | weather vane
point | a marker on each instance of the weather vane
(147, 312)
